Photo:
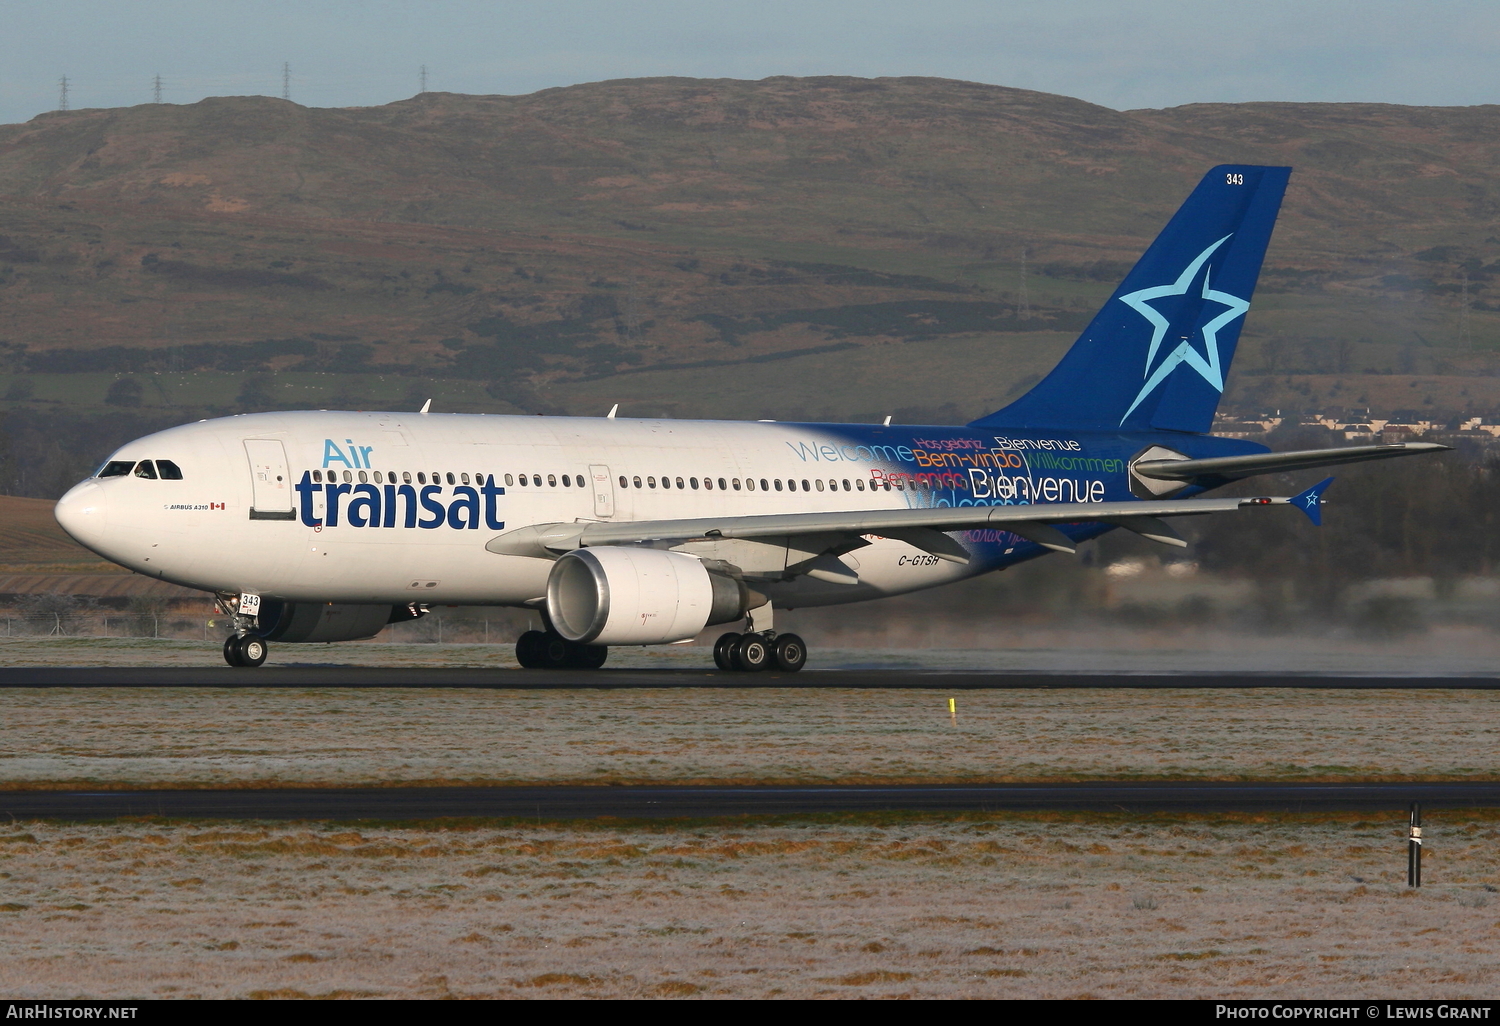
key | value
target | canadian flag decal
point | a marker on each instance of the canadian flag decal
(215, 505)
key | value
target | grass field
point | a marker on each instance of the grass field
(308, 736)
(1072, 906)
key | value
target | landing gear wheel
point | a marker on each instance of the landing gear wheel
(253, 650)
(753, 653)
(555, 651)
(232, 651)
(587, 657)
(529, 650)
(789, 653)
(724, 652)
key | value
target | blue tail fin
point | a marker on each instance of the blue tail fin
(1157, 354)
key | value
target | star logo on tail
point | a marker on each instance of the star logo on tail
(1206, 363)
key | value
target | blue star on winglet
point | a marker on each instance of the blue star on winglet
(1311, 501)
(1207, 363)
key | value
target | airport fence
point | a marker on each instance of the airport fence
(433, 629)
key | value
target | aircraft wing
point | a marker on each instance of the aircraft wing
(924, 528)
(1232, 468)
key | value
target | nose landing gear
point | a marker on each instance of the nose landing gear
(245, 650)
(242, 648)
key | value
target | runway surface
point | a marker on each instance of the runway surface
(406, 677)
(554, 803)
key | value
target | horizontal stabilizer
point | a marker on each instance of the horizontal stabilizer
(1311, 501)
(1232, 468)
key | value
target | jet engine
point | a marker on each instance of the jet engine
(326, 621)
(624, 595)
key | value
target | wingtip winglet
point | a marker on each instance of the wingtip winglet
(1311, 501)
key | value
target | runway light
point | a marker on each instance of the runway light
(953, 710)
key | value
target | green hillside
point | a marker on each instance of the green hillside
(821, 247)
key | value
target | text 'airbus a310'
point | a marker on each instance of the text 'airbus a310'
(325, 526)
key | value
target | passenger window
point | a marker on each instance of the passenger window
(680, 484)
(117, 468)
(551, 481)
(846, 484)
(749, 484)
(450, 478)
(317, 476)
(791, 485)
(406, 477)
(859, 483)
(637, 481)
(509, 481)
(567, 481)
(462, 477)
(666, 482)
(805, 486)
(777, 483)
(145, 469)
(378, 478)
(624, 483)
(736, 483)
(694, 482)
(722, 485)
(819, 483)
(708, 484)
(363, 478)
(348, 477)
(650, 482)
(764, 485)
(421, 477)
(169, 471)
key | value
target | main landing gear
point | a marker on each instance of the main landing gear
(547, 650)
(766, 651)
(245, 650)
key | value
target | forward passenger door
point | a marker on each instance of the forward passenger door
(269, 480)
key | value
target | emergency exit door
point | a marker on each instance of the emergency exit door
(604, 491)
(270, 483)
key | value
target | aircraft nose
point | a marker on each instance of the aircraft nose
(81, 514)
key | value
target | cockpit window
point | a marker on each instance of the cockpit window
(146, 470)
(169, 470)
(116, 468)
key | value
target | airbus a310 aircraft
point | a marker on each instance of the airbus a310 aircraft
(325, 526)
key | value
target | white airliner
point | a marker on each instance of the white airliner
(326, 526)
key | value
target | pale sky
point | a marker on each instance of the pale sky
(1119, 53)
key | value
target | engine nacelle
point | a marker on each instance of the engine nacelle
(324, 621)
(624, 595)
